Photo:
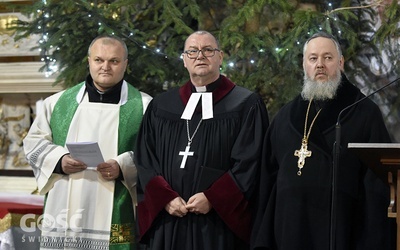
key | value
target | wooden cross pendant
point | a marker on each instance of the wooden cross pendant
(302, 154)
(185, 154)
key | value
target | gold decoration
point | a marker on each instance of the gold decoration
(12, 132)
(6, 22)
(122, 234)
(5, 223)
(14, 118)
(14, 220)
(303, 152)
(4, 140)
(151, 43)
(4, 42)
(4, 144)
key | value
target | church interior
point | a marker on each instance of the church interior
(22, 87)
(24, 83)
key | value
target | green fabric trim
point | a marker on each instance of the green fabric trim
(130, 117)
(63, 113)
(131, 114)
(123, 222)
(123, 235)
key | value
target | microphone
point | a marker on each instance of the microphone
(336, 162)
(362, 99)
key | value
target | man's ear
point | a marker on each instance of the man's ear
(184, 62)
(341, 63)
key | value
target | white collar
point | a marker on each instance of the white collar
(206, 105)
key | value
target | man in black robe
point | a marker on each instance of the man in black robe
(198, 164)
(295, 202)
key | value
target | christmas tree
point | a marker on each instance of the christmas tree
(262, 41)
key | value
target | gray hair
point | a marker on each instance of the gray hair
(202, 32)
(325, 35)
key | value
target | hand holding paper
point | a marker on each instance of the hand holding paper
(86, 152)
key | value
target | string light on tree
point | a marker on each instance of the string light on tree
(330, 17)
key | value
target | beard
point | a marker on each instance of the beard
(319, 90)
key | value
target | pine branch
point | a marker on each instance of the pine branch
(375, 4)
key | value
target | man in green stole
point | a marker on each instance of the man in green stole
(89, 207)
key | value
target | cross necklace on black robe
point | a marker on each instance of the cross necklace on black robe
(187, 153)
(303, 152)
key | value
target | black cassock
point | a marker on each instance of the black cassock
(224, 166)
(295, 211)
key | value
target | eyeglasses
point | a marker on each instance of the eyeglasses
(194, 53)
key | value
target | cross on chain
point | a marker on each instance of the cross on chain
(302, 154)
(185, 154)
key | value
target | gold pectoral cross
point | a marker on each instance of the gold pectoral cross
(302, 154)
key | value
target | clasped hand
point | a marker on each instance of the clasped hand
(197, 204)
(109, 170)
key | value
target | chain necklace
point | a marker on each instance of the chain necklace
(302, 153)
(187, 153)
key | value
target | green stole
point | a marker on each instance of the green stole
(130, 117)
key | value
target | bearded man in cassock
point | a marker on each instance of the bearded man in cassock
(198, 157)
(89, 207)
(295, 205)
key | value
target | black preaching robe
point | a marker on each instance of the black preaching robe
(224, 166)
(294, 211)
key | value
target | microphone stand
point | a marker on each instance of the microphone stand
(332, 239)
(332, 243)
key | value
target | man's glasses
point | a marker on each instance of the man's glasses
(194, 53)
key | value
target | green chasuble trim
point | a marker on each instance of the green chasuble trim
(130, 118)
(61, 116)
